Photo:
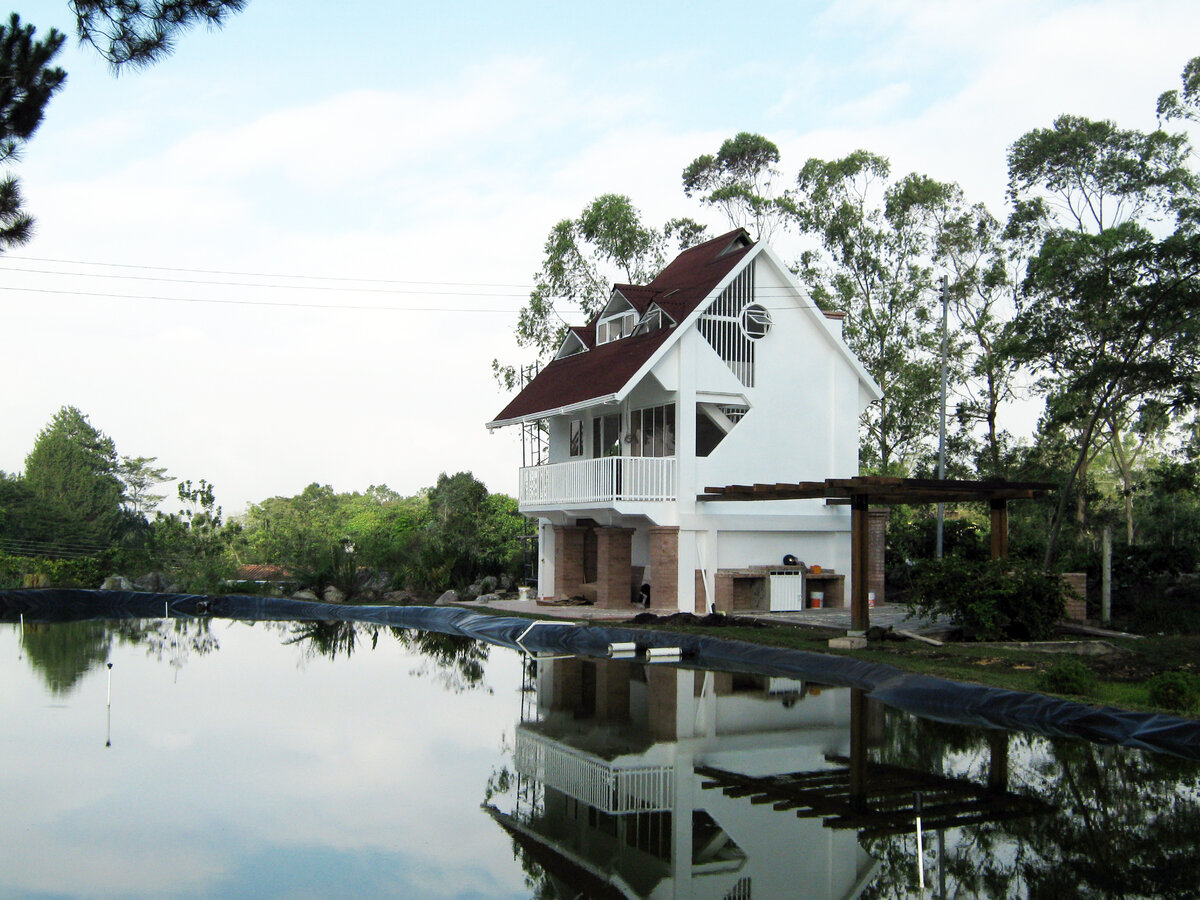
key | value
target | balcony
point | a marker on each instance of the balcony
(607, 785)
(588, 482)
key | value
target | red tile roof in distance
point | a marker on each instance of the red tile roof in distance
(604, 370)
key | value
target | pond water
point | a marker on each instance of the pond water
(219, 758)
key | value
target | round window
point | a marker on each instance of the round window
(756, 321)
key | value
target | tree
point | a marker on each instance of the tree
(141, 32)
(27, 82)
(581, 256)
(124, 32)
(738, 181)
(71, 473)
(877, 240)
(981, 281)
(1174, 105)
(140, 478)
(1107, 308)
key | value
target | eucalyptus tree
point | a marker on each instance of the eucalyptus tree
(1106, 317)
(583, 256)
(982, 272)
(738, 180)
(877, 241)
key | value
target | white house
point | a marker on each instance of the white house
(720, 371)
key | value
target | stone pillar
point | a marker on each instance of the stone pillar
(664, 567)
(877, 529)
(614, 568)
(568, 560)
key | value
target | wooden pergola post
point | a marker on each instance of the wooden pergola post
(860, 552)
(999, 528)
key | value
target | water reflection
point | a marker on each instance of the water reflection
(338, 759)
(639, 780)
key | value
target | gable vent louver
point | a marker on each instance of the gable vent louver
(733, 323)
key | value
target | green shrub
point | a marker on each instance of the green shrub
(85, 572)
(1069, 675)
(1178, 691)
(990, 601)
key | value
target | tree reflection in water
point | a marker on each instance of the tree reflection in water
(454, 661)
(64, 652)
(1125, 823)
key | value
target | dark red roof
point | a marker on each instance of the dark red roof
(605, 369)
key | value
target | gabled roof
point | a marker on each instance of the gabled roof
(597, 375)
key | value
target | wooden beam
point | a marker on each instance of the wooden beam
(860, 555)
(999, 529)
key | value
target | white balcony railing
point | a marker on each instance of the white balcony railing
(604, 480)
(608, 786)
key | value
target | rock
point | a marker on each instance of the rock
(333, 595)
(154, 582)
(489, 598)
(117, 583)
(173, 588)
(400, 598)
(447, 598)
(847, 643)
(367, 595)
(474, 590)
(488, 584)
(305, 594)
(506, 582)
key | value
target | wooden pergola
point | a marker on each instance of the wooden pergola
(863, 491)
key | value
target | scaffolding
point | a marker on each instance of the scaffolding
(535, 451)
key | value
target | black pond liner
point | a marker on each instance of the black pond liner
(921, 695)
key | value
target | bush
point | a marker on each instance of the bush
(990, 601)
(85, 572)
(1178, 691)
(1069, 675)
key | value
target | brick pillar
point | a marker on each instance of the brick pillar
(723, 588)
(614, 568)
(612, 691)
(664, 567)
(568, 560)
(877, 535)
(1076, 595)
(663, 703)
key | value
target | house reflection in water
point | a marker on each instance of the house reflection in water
(650, 781)
(611, 802)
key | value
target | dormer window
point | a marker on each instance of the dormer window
(653, 320)
(571, 345)
(615, 327)
(616, 321)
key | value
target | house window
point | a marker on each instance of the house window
(615, 327)
(652, 431)
(577, 437)
(606, 436)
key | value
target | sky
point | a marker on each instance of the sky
(289, 252)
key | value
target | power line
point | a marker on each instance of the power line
(276, 303)
(80, 262)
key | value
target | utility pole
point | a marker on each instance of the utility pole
(941, 507)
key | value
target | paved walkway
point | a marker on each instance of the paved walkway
(886, 615)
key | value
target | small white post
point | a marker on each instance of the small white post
(109, 684)
(920, 842)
